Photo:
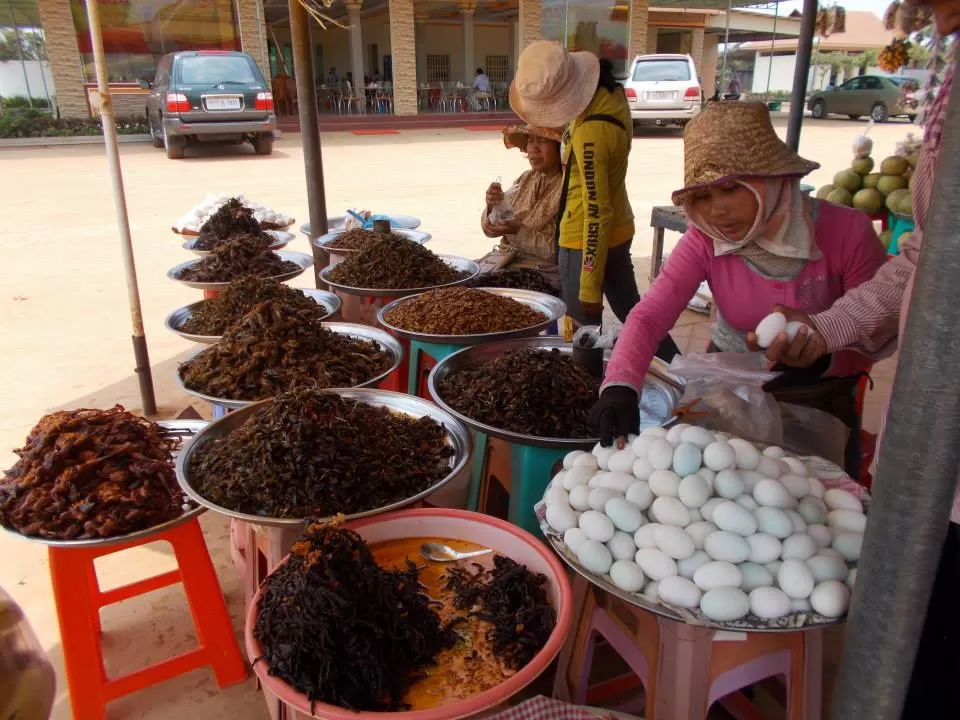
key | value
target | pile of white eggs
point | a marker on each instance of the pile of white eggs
(702, 520)
(201, 212)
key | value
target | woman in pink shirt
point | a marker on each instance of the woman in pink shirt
(758, 242)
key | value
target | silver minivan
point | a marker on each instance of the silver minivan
(663, 89)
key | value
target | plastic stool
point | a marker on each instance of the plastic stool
(684, 668)
(898, 226)
(79, 599)
(210, 294)
(238, 544)
(421, 358)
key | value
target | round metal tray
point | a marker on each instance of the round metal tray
(458, 438)
(361, 332)
(454, 261)
(552, 308)
(339, 222)
(281, 238)
(301, 259)
(175, 320)
(417, 236)
(187, 430)
(190, 232)
(660, 397)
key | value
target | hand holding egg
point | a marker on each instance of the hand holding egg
(788, 336)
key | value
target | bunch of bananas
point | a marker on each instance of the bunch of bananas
(894, 56)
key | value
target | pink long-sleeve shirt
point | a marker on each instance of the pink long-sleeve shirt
(851, 254)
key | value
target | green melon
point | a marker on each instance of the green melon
(894, 165)
(888, 183)
(895, 198)
(848, 180)
(840, 197)
(885, 237)
(862, 165)
(870, 181)
(824, 191)
(870, 200)
(905, 206)
(912, 160)
(910, 181)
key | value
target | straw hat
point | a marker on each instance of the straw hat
(552, 86)
(516, 136)
(732, 140)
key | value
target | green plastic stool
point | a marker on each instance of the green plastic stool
(899, 224)
(419, 370)
(530, 472)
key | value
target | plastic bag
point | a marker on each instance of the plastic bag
(593, 336)
(503, 210)
(813, 432)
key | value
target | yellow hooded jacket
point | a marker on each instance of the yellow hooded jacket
(597, 214)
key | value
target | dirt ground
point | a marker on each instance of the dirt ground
(66, 324)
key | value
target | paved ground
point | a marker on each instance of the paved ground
(66, 325)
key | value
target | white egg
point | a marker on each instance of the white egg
(847, 520)
(621, 546)
(769, 468)
(826, 568)
(603, 456)
(768, 328)
(774, 568)
(769, 603)
(750, 479)
(754, 576)
(725, 604)
(645, 537)
(695, 515)
(729, 484)
(641, 445)
(848, 544)
(560, 518)
(771, 493)
(675, 434)
(688, 566)
(655, 564)
(820, 534)
(699, 532)
(746, 455)
(730, 516)
(679, 592)
(830, 598)
(774, 452)
(717, 574)
(595, 557)
(627, 575)
(693, 491)
(597, 479)
(795, 579)
(701, 437)
(800, 605)
(639, 494)
(660, 454)
(816, 487)
(556, 496)
(795, 485)
(642, 469)
(670, 511)
(558, 479)
(799, 547)
(709, 506)
(686, 459)
(793, 327)
(773, 522)
(851, 578)
(579, 498)
(719, 456)
(574, 539)
(764, 548)
(708, 475)
(727, 546)
(596, 526)
(795, 466)
(624, 515)
(599, 497)
(651, 591)
(799, 524)
(577, 476)
(613, 480)
(622, 461)
(747, 502)
(674, 542)
(586, 461)
(812, 509)
(654, 432)
(837, 499)
(664, 483)
(829, 552)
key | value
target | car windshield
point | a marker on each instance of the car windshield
(898, 81)
(216, 69)
(660, 70)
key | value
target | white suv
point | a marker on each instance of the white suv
(663, 89)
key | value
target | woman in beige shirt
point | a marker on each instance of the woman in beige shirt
(528, 238)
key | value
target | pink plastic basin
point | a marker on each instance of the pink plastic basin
(485, 530)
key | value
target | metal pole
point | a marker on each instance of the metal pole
(798, 98)
(23, 65)
(917, 476)
(726, 49)
(309, 131)
(144, 375)
(773, 46)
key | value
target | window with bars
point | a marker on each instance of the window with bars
(438, 68)
(497, 68)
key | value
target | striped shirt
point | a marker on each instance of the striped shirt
(871, 317)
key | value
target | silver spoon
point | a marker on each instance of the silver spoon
(444, 553)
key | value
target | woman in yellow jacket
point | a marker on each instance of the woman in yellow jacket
(556, 88)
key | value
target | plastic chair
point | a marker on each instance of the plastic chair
(422, 357)
(685, 669)
(78, 599)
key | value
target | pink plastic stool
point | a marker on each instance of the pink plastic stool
(682, 667)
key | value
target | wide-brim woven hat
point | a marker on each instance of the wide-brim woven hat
(552, 85)
(734, 140)
(517, 136)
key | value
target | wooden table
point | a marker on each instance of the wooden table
(664, 217)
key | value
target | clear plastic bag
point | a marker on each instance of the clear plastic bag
(503, 210)
(593, 336)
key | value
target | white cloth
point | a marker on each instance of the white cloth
(482, 83)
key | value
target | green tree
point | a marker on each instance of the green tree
(32, 45)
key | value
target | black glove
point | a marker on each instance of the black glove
(615, 414)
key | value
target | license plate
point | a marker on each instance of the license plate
(662, 95)
(223, 103)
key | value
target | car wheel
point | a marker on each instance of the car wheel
(174, 145)
(636, 128)
(854, 117)
(912, 118)
(819, 110)
(157, 139)
(879, 113)
(263, 143)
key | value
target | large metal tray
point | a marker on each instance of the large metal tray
(552, 308)
(660, 397)
(339, 222)
(281, 238)
(187, 430)
(176, 320)
(302, 260)
(417, 236)
(454, 261)
(192, 232)
(361, 332)
(458, 438)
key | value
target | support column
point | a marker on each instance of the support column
(512, 52)
(709, 72)
(66, 65)
(253, 33)
(420, 17)
(696, 50)
(639, 17)
(529, 22)
(467, 9)
(403, 41)
(356, 43)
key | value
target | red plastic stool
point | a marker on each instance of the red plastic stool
(79, 599)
